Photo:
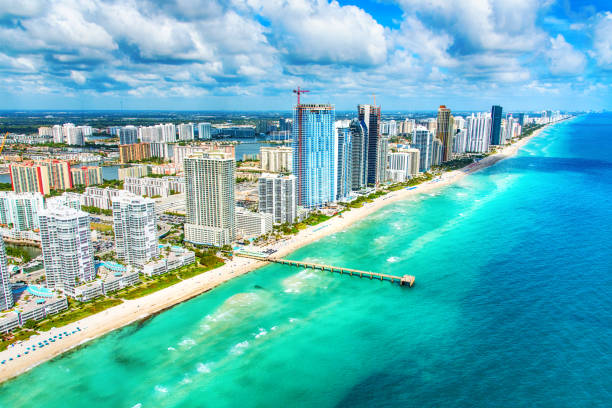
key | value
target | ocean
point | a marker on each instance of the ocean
(511, 307)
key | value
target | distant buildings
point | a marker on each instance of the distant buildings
(278, 196)
(20, 210)
(210, 179)
(30, 177)
(314, 159)
(134, 152)
(496, 121)
(155, 187)
(99, 197)
(445, 132)
(128, 135)
(369, 116)
(134, 224)
(158, 133)
(181, 152)
(204, 131)
(276, 159)
(66, 247)
(86, 175)
(6, 294)
(186, 132)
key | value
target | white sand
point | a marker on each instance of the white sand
(132, 310)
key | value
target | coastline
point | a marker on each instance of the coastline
(130, 311)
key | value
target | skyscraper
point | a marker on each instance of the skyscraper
(370, 116)
(135, 228)
(445, 132)
(345, 165)
(66, 248)
(128, 135)
(496, 120)
(423, 140)
(278, 196)
(314, 161)
(478, 128)
(381, 161)
(186, 131)
(6, 294)
(30, 177)
(359, 155)
(204, 131)
(20, 209)
(209, 192)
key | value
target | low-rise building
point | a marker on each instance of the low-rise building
(155, 187)
(252, 224)
(174, 258)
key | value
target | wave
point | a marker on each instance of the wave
(239, 348)
(204, 368)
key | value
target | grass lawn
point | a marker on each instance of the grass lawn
(101, 227)
(149, 287)
(77, 313)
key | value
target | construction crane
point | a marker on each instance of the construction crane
(3, 141)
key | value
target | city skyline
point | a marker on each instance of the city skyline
(412, 54)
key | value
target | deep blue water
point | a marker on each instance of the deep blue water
(512, 307)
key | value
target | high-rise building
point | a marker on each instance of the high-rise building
(445, 132)
(344, 168)
(73, 135)
(210, 205)
(134, 223)
(57, 133)
(134, 152)
(66, 248)
(20, 210)
(403, 164)
(6, 294)
(496, 120)
(276, 159)
(185, 131)
(128, 135)
(370, 116)
(478, 133)
(314, 161)
(204, 131)
(381, 161)
(30, 177)
(423, 140)
(278, 196)
(252, 224)
(86, 175)
(359, 155)
(60, 177)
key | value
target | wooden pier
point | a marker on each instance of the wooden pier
(402, 280)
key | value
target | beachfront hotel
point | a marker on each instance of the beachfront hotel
(66, 248)
(135, 227)
(210, 217)
(314, 159)
(6, 294)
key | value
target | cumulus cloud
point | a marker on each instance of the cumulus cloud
(602, 41)
(563, 59)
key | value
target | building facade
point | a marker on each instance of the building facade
(134, 152)
(278, 196)
(86, 175)
(496, 121)
(314, 159)
(210, 218)
(66, 248)
(135, 227)
(359, 155)
(344, 150)
(445, 132)
(370, 116)
(276, 159)
(6, 294)
(20, 210)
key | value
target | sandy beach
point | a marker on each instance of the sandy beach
(132, 310)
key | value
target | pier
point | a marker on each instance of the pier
(402, 280)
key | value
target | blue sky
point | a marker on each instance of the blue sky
(250, 54)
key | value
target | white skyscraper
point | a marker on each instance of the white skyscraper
(210, 205)
(6, 295)
(134, 223)
(58, 134)
(278, 196)
(185, 131)
(73, 135)
(66, 247)
(204, 131)
(478, 132)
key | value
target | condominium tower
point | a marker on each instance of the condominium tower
(314, 161)
(359, 154)
(66, 248)
(20, 210)
(496, 120)
(135, 228)
(6, 294)
(369, 115)
(278, 196)
(210, 205)
(445, 132)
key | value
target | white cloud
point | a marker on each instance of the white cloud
(602, 41)
(563, 59)
(78, 77)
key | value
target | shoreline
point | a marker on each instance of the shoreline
(130, 311)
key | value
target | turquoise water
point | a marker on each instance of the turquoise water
(511, 307)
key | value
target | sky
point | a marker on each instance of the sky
(251, 54)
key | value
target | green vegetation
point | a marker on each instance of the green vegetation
(10, 338)
(6, 187)
(174, 213)
(241, 179)
(149, 286)
(454, 164)
(18, 252)
(96, 210)
(77, 311)
(104, 228)
(149, 160)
